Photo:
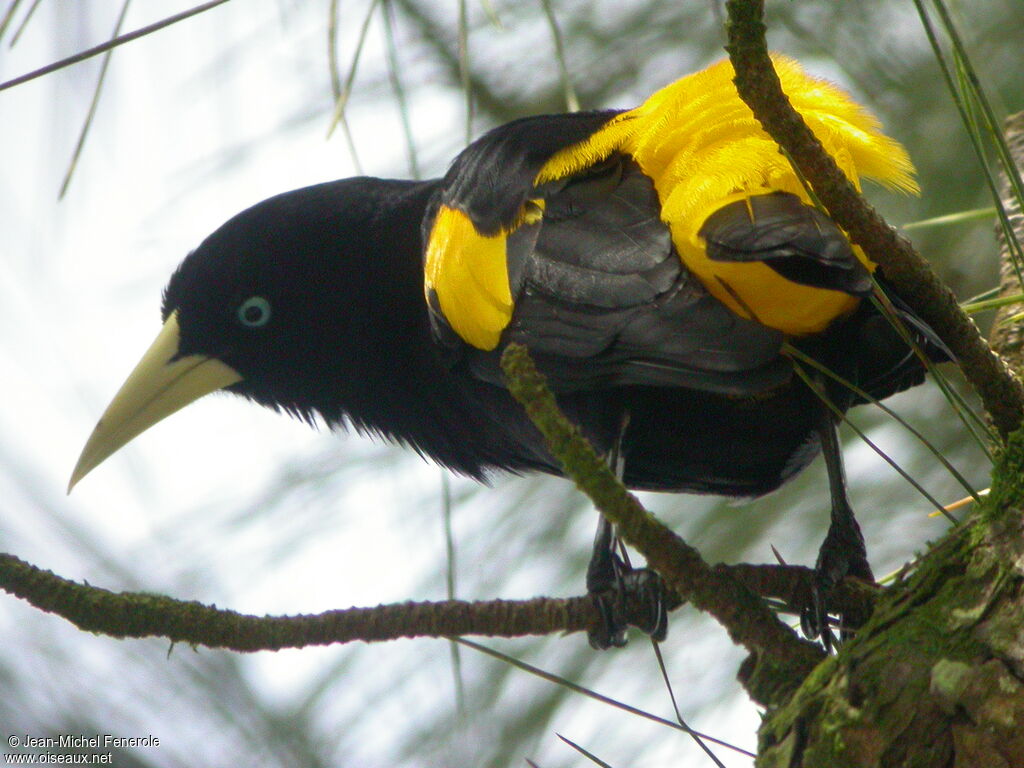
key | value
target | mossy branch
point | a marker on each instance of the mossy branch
(779, 659)
(141, 614)
(758, 85)
(144, 614)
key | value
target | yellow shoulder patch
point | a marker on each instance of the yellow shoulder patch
(469, 273)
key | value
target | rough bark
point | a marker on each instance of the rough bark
(1006, 336)
(936, 677)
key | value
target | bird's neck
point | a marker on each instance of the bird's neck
(395, 381)
(386, 336)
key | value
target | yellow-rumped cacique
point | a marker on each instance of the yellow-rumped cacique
(660, 264)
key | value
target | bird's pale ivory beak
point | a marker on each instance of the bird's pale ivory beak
(161, 384)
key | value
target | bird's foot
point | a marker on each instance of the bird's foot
(627, 597)
(842, 554)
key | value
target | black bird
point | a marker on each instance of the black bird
(658, 263)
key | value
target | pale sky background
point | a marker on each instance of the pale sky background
(197, 122)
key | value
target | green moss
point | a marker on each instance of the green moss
(949, 680)
(1007, 494)
(911, 656)
(887, 699)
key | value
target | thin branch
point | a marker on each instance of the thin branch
(103, 47)
(913, 278)
(144, 614)
(779, 659)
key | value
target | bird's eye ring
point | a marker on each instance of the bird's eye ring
(254, 312)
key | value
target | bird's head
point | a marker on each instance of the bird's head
(271, 306)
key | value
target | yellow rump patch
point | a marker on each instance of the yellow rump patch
(469, 273)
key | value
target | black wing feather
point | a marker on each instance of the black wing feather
(796, 240)
(602, 298)
(492, 178)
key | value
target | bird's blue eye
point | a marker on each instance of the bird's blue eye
(254, 312)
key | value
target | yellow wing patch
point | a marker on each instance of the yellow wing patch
(469, 273)
(703, 148)
(697, 133)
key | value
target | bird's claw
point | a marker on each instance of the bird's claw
(839, 557)
(611, 632)
(634, 597)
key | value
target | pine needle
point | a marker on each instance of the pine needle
(464, 78)
(449, 549)
(965, 106)
(341, 96)
(860, 433)
(336, 86)
(92, 104)
(962, 502)
(810, 361)
(492, 15)
(589, 755)
(575, 687)
(572, 103)
(398, 88)
(24, 22)
(980, 99)
(967, 416)
(8, 17)
(675, 706)
(950, 219)
(996, 303)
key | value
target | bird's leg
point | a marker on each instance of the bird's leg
(604, 579)
(843, 552)
(615, 584)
